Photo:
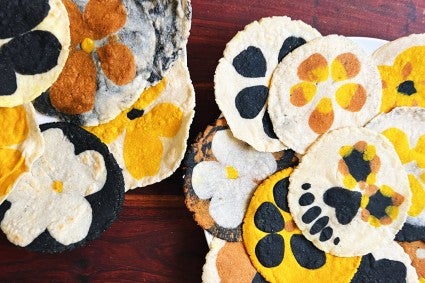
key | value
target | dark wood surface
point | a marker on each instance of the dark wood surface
(155, 238)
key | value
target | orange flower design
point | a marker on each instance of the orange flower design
(74, 91)
(314, 71)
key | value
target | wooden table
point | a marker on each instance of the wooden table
(155, 238)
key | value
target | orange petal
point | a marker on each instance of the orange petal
(345, 66)
(75, 89)
(105, 17)
(14, 126)
(322, 117)
(314, 69)
(351, 97)
(79, 29)
(302, 93)
(117, 63)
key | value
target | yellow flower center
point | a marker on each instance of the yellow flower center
(57, 186)
(87, 45)
(231, 172)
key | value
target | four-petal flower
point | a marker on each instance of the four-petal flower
(74, 91)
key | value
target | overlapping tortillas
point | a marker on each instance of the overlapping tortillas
(71, 195)
(148, 140)
(405, 128)
(326, 84)
(401, 64)
(276, 246)
(282, 254)
(229, 262)
(34, 42)
(221, 174)
(388, 263)
(350, 194)
(242, 76)
(113, 59)
(21, 144)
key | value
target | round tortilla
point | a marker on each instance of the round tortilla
(155, 33)
(326, 84)
(358, 196)
(243, 75)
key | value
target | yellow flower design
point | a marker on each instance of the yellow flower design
(14, 131)
(143, 148)
(416, 154)
(315, 70)
(403, 83)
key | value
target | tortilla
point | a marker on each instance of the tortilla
(72, 194)
(149, 139)
(118, 49)
(326, 84)
(357, 199)
(243, 75)
(34, 42)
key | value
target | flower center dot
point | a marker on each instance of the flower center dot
(57, 186)
(232, 172)
(87, 45)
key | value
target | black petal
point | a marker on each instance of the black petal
(280, 194)
(251, 100)
(306, 254)
(7, 77)
(289, 45)
(20, 16)
(268, 219)
(268, 126)
(383, 270)
(250, 63)
(270, 250)
(33, 53)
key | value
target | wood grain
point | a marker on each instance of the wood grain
(155, 239)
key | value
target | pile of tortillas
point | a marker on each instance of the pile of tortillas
(316, 169)
(95, 100)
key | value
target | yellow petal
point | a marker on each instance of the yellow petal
(109, 132)
(401, 143)
(14, 126)
(351, 97)
(418, 196)
(150, 94)
(302, 93)
(12, 165)
(142, 154)
(345, 66)
(143, 148)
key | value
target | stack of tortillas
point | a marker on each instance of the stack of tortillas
(113, 105)
(316, 171)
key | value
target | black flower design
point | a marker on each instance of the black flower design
(251, 63)
(29, 52)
